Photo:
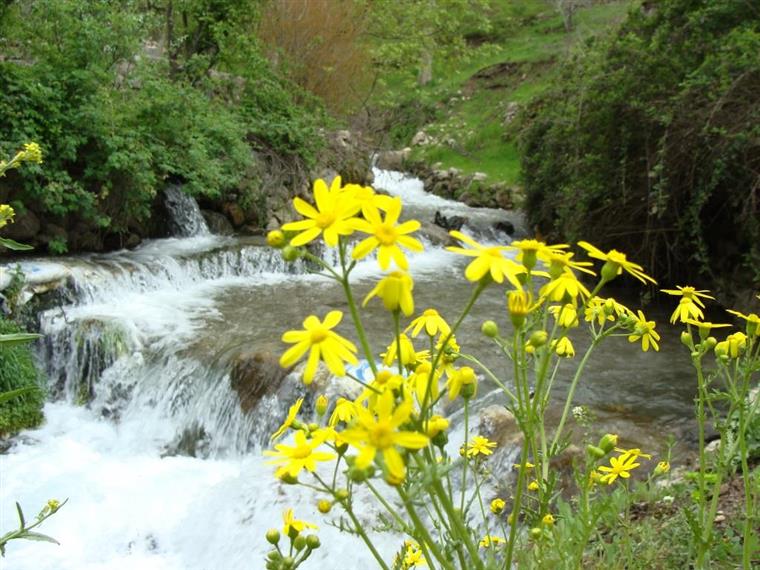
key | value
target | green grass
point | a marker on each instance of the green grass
(533, 36)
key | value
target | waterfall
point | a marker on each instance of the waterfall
(185, 219)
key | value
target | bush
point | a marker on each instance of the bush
(17, 370)
(650, 142)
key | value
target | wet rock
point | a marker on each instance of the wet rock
(254, 375)
(449, 222)
(436, 234)
(217, 223)
(505, 226)
(234, 213)
(498, 424)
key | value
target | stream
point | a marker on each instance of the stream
(138, 359)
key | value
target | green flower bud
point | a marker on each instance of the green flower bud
(608, 442)
(357, 475)
(273, 536)
(595, 452)
(324, 506)
(299, 543)
(535, 533)
(276, 238)
(538, 338)
(288, 562)
(312, 541)
(490, 329)
(321, 405)
(710, 342)
(686, 339)
(290, 253)
(341, 494)
(441, 439)
(289, 479)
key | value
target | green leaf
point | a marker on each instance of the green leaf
(40, 537)
(21, 520)
(18, 338)
(14, 245)
(6, 396)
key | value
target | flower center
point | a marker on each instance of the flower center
(616, 257)
(493, 251)
(301, 452)
(318, 335)
(381, 436)
(325, 220)
(430, 313)
(386, 234)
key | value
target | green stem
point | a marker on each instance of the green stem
(427, 540)
(464, 457)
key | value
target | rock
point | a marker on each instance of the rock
(217, 223)
(392, 159)
(510, 113)
(436, 234)
(254, 375)
(479, 177)
(24, 227)
(420, 138)
(449, 222)
(234, 213)
(505, 226)
(498, 424)
(132, 241)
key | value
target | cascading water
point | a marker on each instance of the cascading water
(145, 435)
(185, 219)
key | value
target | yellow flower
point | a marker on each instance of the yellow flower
(276, 239)
(422, 383)
(563, 347)
(395, 289)
(548, 520)
(566, 315)
(386, 235)
(292, 525)
(635, 453)
(497, 506)
(619, 467)
(533, 486)
(528, 465)
(465, 376)
(662, 468)
(292, 413)
(408, 354)
(384, 380)
(560, 263)
(6, 214)
(600, 309)
(488, 261)
(377, 431)
(322, 343)
(753, 321)
(689, 293)
(480, 445)
(413, 556)
(435, 425)
(705, 327)
(332, 216)
(32, 153)
(300, 456)
(689, 304)
(321, 405)
(54, 505)
(565, 288)
(345, 411)
(734, 345)
(532, 249)
(520, 305)
(644, 331)
(431, 321)
(490, 540)
(615, 263)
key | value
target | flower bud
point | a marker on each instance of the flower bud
(357, 474)
(533, 486)
(290, 253)
(321, 405)
(608, 442)
(595, 452)
(288, 562)
(313, 426)
(686, 339)
(273, 536)
(490, 329)
(299, 543)
(710, 342)
(538, 338)
(548, 520)
(276, 239)
(341, 494)
(288, 479)
(312, 541)
(441, 439)
(662, 468)
(324, 506)
(497, 506)
(535, 533)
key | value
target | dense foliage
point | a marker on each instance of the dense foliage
(117, 113)
(17, 370)
(651, 141)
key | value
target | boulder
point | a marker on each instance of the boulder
(234, 213)
(217, 223)
(254, 375)
(393, 159)
(449, 222)
(498, 424)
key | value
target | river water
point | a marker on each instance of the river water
(138, 358)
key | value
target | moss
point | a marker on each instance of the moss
(18, 370)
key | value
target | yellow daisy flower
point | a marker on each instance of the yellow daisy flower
(322, 344)
(386, 235)
(490, 540)
(465, 376)
(331, 217)
(480, 445)
(565, 288)
(488, 261)
(753, 322)
(615, 263)
(431, 321)
(302, 455)
(644, 331)
(395, 289)
(292, 525)
(619, 467)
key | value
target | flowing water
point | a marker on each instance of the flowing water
(138, 360)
